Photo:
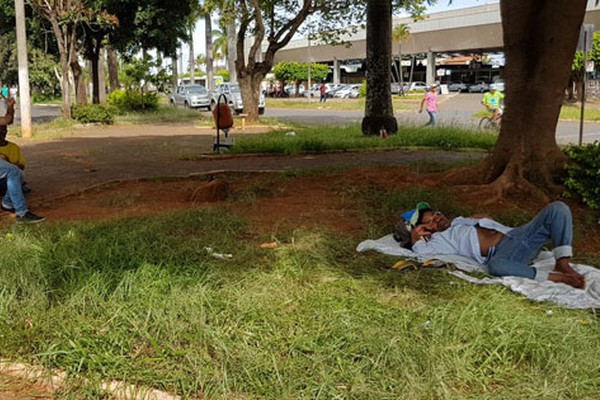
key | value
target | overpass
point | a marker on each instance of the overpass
(469, 30)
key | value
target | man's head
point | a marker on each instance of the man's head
(435, 220)
(493, 87)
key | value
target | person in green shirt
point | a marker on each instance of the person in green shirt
(493, 100)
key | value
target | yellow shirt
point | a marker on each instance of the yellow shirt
(13, 154)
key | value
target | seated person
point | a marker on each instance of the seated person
(506, 251)
(11, 152)
(13, 200)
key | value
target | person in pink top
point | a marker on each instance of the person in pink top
(430, 100)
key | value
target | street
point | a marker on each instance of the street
(455, 109)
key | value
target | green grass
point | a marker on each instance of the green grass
(408, 102)
(141, 300)
(343, 138)
(573, 112)
(166, 114)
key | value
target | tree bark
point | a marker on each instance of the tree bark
(113, 70)
(209, 52)
(175, 73)
(192, 62)
(80, 86)
(539, 49)
(101, 76)
(379, 113)
(231, 33)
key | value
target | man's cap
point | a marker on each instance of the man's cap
(492, 86)
(413, 216)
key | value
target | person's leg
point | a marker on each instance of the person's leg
(521, 245)
(14, 193)
(433, 118)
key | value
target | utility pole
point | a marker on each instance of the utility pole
(24, 94)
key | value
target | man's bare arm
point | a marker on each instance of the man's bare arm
(10, 111)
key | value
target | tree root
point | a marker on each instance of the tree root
(508, 184)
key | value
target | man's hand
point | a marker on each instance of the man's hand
(421, 232)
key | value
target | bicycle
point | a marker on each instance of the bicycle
(486, 123)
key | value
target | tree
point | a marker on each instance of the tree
(400, 33)
(63, 17)
(539, 42)
(379, 113)
(278, 21)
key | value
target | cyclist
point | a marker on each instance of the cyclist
(493, 100)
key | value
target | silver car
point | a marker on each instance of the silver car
(191, 96)
(233, 96)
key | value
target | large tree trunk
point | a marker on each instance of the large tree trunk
(175, 73)
(65, 40)
(539, 48)
(101, 76)
(209, 51)
(95, 61)
(80, 86)
(250, 90)
(192, 62)
(231, 33)
(379, 113)
(113, 70)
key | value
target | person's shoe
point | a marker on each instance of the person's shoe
(8, 209)
(30, 218)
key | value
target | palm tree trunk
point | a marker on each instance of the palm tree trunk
(379, 114)
(231, 51)
(209, 51)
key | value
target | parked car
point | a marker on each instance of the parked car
(331, 88)
(479, 86)
(233, 97)
(291, 90)
(191, 96)
(417, 85)
(347, 92)
(457, 87)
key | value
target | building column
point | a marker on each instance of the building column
(430, 71)
(336, 71)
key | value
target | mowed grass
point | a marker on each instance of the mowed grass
(143, 300)
(349, 137)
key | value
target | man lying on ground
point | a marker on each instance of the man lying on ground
(506, 251)
(13, 200)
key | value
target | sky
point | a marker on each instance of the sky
(441, 5)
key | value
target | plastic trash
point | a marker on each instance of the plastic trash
(222, 256)
(290, 133)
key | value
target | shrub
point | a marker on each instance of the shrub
(132, 100)
(92, 113)
(362, 90)
(583, 173)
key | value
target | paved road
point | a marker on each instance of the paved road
(455, 109)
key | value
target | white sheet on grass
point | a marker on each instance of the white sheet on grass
(559, 293)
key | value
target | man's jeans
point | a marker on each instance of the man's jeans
(14, 192)
(521, 245)
(432, 118)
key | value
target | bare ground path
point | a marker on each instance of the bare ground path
(101, 154)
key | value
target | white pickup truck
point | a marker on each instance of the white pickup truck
(233, 96)
(191, 96)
